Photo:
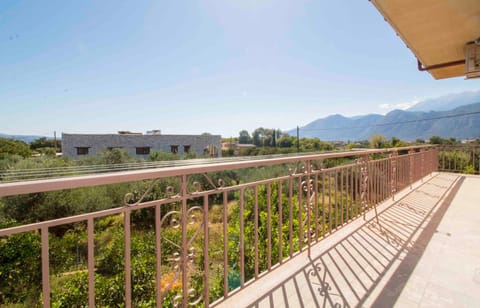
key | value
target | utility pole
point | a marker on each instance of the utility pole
(298, 139)
(55, 141)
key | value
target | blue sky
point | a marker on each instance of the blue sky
(213, 66)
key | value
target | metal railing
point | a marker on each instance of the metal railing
(211, 236)
(460, 159)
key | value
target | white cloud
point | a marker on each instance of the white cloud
(402, 106)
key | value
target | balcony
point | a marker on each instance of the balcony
(358, 228)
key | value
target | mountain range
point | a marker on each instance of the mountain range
(24, 138)
(447, 102)
(431, 117)
(407, 125)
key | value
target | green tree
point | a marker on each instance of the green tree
(13, 147)
(286, 141)
(115, 156)
(244, 137)
(440, 140)
(43, 142)
(397, 143)
(378, 141)
(20, 269)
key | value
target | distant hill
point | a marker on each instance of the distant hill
(447, 102)
(418, 125)
(24, 138)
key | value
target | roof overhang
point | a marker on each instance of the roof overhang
(436, 31)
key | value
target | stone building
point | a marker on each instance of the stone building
(138, 144)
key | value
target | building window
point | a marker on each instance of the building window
(82, 150)
(142, 150)
(174, 149)
(186, 149)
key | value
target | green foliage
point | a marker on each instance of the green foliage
(161, 156)
(244, 137)
(469, 169)
(314, 144)
(397, 143)
(50, 205)
(440, 140)
(20, 272)
(43, 142)
(47, 151)
(71, 290)
(13, 147)
(378, 141)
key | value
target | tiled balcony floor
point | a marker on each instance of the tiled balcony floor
(424, 251)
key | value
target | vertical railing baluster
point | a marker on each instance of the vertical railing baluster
(225, 245)
(341, 196)
(300, 214)
(336, 198)
(358, 193)
(158, 255)
(280, 223)
(324, 221)
(347, 193)
(308, 202)
(315, 205)
(411, 167)
(393, 172)
(128, 272)
(255, 233)
(45, 267)
(330, 229)
(206, 258)
(269, 227)
(91, 263)
(242, 237)
(290, 215)
(184, 258)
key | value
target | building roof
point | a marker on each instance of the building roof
(436, 31)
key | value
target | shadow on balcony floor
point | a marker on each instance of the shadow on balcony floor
(366, 263)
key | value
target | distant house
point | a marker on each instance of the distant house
(138, 144)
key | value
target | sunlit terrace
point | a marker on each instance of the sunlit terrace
(377, 227)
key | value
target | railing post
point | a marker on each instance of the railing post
(45, 267)
(184, 258)
(364, 161)
(393, 180)
(422, 163)
(308, 203)
(411, 167)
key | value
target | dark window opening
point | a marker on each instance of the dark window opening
(142, 150)
(186, 149)
(82, 150)
(174, 149)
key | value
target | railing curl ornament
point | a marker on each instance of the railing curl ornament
(130, 199)
(198, 188)
(174, 218)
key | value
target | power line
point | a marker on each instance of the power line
(396, 123)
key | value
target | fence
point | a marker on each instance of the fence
(460, 159)
(194, 235)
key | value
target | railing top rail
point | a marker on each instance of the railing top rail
(44, 185)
